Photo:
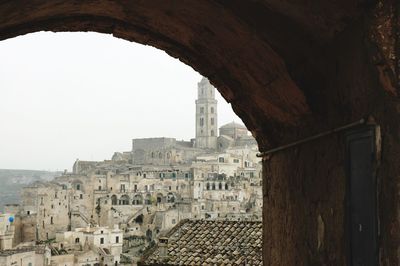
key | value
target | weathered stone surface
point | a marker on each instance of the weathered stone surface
(290, 68)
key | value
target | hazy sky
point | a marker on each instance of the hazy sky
(85, 95)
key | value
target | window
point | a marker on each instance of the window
(117, 239)
(160, 155)
(201, 110)
(99, 187)
(169, 188)
(102, 240)
(212, 110)
(77, 240)
(152, 155)
(51, 220)
(202, 207)
(221, 159)
(173, 221)
(213, 186)
(236, 160)
(201, 121)
(212, 121)
(78, 187)
(81, 196)
(212, 133)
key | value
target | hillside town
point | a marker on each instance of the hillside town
(116, 211)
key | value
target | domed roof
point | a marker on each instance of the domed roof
(233, 125)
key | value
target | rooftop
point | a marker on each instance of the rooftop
(211, 243)
(233, 125)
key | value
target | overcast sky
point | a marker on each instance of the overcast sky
(85, 95)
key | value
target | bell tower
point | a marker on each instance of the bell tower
(206, 116)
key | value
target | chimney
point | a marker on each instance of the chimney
(163, 244)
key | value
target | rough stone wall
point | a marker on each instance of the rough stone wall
(304, 187)
(296, 195)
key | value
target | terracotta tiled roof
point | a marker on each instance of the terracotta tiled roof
(199, 242)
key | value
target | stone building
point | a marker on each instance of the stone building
(90, 245)
(206, 116)
(38, 255)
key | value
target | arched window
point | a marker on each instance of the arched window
(219, 186)
(78, 186)
(212, 121)
(226, 186)
(152, 155)
(208, 186)
(213, 186)
(212, 110)
(114, 200)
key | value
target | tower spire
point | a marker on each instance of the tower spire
(206, 116)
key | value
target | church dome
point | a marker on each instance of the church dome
(233, 125)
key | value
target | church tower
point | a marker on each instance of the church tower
(206, 116)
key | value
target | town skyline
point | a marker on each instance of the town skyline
(131, 91)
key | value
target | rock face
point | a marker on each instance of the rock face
(290, 69)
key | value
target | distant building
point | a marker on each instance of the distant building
(169, 151)
(91, 245)
(38, 255)
(206, 116)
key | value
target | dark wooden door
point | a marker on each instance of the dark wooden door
(361, 198)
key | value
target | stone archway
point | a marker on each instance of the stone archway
(290, 69)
